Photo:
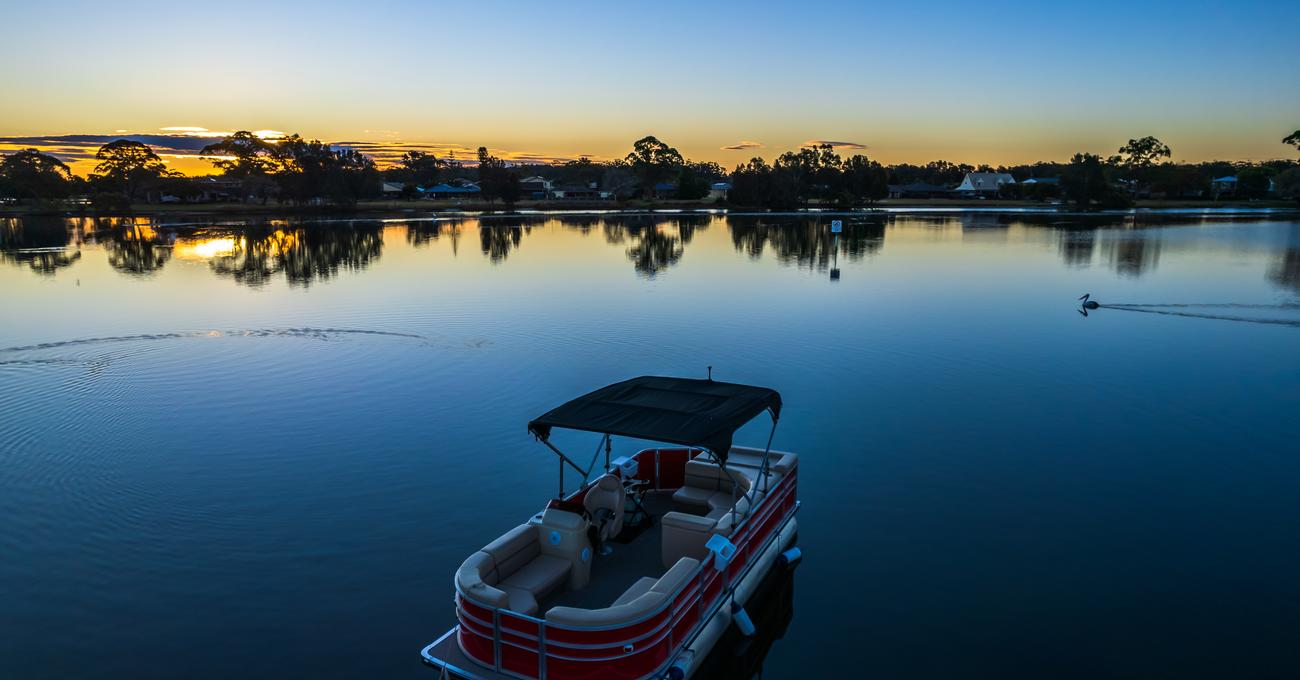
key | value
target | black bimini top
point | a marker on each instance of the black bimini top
(675, 410)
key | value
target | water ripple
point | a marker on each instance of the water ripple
(313, 333)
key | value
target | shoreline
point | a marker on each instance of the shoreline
(423, 210)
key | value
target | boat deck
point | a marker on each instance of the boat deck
(612, 574)
(445, 655)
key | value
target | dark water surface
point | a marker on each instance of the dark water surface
(237, 450)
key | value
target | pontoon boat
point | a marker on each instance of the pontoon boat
(640, 571)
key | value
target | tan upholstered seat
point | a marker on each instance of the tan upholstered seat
(539, 578)
(512, 572)
(708, 488)
(676, 576)
(684, 536)
(692, 498)
(477, 578)
(721, 502)
(606, 494)
(641, 587)
(630, 609)
(727, 524)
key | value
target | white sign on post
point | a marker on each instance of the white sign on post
(837, 226)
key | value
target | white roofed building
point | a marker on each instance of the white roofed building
(983, 183)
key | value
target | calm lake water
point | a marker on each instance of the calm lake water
(236, 449)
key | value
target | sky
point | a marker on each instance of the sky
(979, 82)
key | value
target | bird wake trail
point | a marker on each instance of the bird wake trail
(1185, 310)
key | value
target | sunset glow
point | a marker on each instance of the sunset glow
(966, 83)
(204, 249)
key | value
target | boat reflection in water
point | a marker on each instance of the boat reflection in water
(737, 657)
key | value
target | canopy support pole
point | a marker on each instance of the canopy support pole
(767, 452)
(565, 459)
(762, 470)
(592, 465)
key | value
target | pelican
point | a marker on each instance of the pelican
(1089, 304)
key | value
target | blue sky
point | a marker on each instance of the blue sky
(967, 81)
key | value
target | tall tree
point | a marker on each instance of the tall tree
(1293, 139)
(315, 172)
(1084, 183)
(420, 168)
(130, 165)
(751, 184)
(811, 172)
(248, 158)
(1288, 184)
(496, 180)
(30, 174)
(653, 162)
(1252, 182)
(692, 182)
(865, 180)
(242, 155)
(1139, 155)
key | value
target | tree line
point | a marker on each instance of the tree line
(1142, 169)
(292, 170)
(300, 172)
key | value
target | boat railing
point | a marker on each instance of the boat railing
(525, 646)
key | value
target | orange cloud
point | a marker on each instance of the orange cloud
(837, 145)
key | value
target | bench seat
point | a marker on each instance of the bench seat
(513, 572)
(641, 587)
(534, 581)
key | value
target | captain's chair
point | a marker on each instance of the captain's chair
(604, 503)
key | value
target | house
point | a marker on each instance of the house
(983, 183)
(1040, 187)
(580, 193)
(535, 188)
(664, 190)
(918, 190)
(445, 191)
(1221, 186)
(215, 189)
(718, 191)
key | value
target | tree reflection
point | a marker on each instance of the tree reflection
(656, 243)
(583, 224)
(806, 243)
(303, 255)
(978, 221)
(1286, 271)
(687, 225)
(136, 249)
(497, 240)
(421, 234)
(1134, 255)
(39, 243)
(255, 256)
(615, 232)
(1076, 246)
(654, 250)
